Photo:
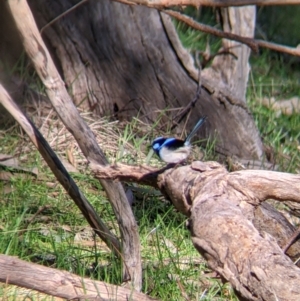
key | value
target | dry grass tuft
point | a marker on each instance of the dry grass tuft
(109, 135)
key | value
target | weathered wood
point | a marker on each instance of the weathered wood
(117, 59)
(62, 103)
(61, 283)
(213, 3)
(253, 44)
(234, 69)
(223, 216)
(268, 220)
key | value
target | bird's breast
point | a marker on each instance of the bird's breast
(174, 155)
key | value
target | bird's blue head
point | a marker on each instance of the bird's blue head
(157, 144)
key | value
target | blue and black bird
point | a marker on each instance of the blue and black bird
(172, 150)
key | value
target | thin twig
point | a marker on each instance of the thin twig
(62, 15)
(279, 48)
(181, 115)
(30, 220)
(251, 43)
(222, 51)
(208, 29)
(159, 4)
(291, 240)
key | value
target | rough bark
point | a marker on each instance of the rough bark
(268, 220)
(213, 3)
(118, 59)
(62, 103)
(234, 69)
(222, 211)
(61, 283)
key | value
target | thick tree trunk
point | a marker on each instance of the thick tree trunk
(119, 59)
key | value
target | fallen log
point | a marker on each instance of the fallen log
(61, 283)
(223, 215)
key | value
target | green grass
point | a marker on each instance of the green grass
(272, 77)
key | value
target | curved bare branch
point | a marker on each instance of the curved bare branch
(61, 283)
(62, 103)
